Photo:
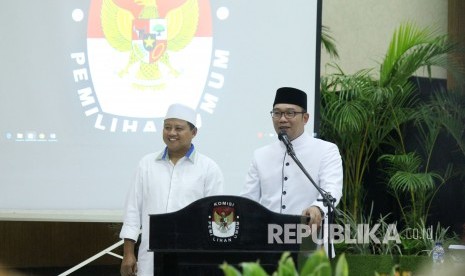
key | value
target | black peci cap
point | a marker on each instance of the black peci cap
(290, 95)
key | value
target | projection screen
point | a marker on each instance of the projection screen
(85, 85)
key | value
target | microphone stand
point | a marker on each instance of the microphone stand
(327, 199)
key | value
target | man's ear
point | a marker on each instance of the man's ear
(194, 131)
(306, 117)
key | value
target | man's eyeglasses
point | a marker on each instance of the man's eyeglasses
(288, 114)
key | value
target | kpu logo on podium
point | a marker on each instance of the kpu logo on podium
(223, 222)
(141, 56)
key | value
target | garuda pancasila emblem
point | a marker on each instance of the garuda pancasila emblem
(149, 34)
(223, 218)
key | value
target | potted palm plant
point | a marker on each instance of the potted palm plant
(361, 113)
(371, 113)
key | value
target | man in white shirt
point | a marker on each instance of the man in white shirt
(166, 181)
(275, 180)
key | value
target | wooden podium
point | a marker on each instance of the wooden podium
(198, 238)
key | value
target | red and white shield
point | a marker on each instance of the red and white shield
(149, 37)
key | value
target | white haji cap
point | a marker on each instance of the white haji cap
(183, 112)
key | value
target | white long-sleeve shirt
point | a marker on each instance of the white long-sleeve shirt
(161, 187)
(275, 180)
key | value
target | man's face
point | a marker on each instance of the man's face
(177, 135)
(294, 127)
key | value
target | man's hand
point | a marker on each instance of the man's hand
(129, 265)
(315, 215)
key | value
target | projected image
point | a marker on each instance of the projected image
(30, 136)
(141, 57)
(267, 136)
(145, 55)
(85, 85)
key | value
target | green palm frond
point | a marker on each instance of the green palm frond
(448, 107)
(345, 100)
(351, 117)
(328, 42)
(412, 48)
(429, 128)
(409, 162)
(407, 182)
(404, 173)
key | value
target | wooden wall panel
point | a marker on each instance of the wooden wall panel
(456, 30)
(56, 244)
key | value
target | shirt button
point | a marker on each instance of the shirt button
(284, 192)
(287, 163)
(285, 178)
(283, 207)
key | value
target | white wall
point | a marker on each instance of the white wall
(363, 28)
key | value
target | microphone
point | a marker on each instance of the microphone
(285, 139)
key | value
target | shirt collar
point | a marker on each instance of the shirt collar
(303, 139)
(190, 154)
